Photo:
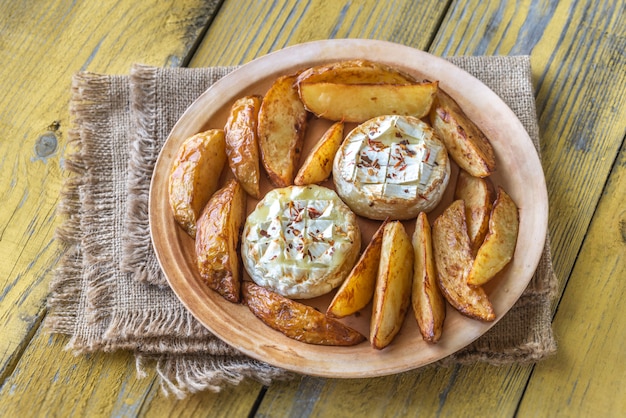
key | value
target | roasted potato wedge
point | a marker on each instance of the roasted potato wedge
(453, 261)
(281, 129)
(393, 285)
(242, 146)
(358, 288)
(296, 320)
(361, 102)
(195, 175)
(217, 240)
(355, 72)
(478, 194)
(499, 245)
(467, 144)
(429, 305)
(319, 163)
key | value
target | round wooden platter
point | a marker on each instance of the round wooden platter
(519, 172)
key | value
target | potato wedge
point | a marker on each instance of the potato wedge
(297, 320)
(393, 285)
(478, 194)
(217, 240)
(429, 305)
(242, 146)
(355, 72)
(281, 129)
(358, 288)
(319, 163)
(453, 260)
(467, 144)
(499, 245)
(195, 175)
(361, 102)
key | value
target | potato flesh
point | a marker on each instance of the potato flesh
(281, 129)
(499, 245)
(393, 285)
(466, 143)
(296, 320)
(354, 72)
(195, 175)
(318, 165)
(217, 240)
(428, 303)
(358, 288)
(477, 193)
(453, 260)
(242, 143)
(361, 102)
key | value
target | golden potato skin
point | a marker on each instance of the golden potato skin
(393, 285)
(354, 72)
(361, 102)
(319, 163)
(499, 245)
(242, 146)
(429, 305)
(195, 175)
(478, 194)
(358, 288)
(217, 241)
(453, 260)
(467, 144)
(296, 320)
(281, 130)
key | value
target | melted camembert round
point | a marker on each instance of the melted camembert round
(391, 166)
(300, 241)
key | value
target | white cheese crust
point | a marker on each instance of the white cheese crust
(391, 166)
(300, 241)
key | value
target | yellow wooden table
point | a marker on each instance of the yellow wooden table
(578, 54)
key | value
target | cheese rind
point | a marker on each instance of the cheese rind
(391, 166)
(300, 241)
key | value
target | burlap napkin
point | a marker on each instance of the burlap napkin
(108, 292)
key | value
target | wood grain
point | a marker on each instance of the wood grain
(248, 29)
(85, 385)
(587, 376)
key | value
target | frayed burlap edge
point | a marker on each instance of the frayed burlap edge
(186, 374)
(66, 299)
(139, 259)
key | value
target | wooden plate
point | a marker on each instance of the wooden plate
(519, 172)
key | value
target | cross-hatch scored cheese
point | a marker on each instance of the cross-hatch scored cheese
(300, 241)
(391, 166)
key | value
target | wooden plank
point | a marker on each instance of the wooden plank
(588, 376)
(548, 31)
(428, 392)
(103, 384)
(232, 401)
(60, 38)
(248, 29)
(84, 385)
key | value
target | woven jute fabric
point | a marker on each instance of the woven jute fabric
(108, 292)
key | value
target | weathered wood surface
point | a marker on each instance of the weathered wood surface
(579, 73)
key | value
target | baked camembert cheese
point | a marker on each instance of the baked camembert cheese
(391, 166)
(300, 241)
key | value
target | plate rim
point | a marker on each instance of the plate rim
(359, 48)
